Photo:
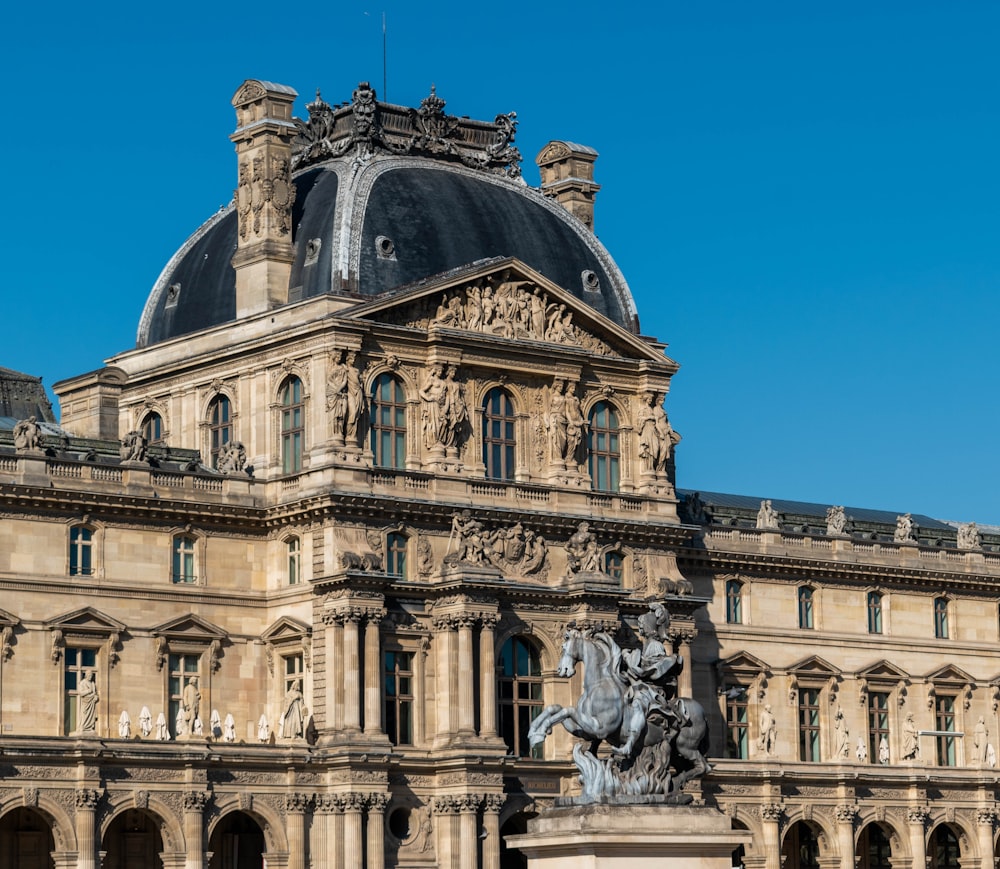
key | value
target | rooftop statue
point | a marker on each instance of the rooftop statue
(630, 701)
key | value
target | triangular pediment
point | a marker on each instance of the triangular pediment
(506, 301)
(285, 628)
(883, 671)
(813, 666)
(950, 673)
(743, 662)
(190, 627)
(8, 620)
(86, 620)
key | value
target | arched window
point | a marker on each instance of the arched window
(395, 554)
(293, 552)
(945, 850)
(941, 618)
(183, 563)
(292, 425)
(614, 566)
(806, 613)
(498, 435)
(734, 602)
(388, 422)
(81, 551)
(220, 426)
(520, 687)
(605, 452)
(152, 428)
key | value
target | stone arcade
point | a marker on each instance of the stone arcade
(290, 580)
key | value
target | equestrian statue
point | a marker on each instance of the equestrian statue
(630, 701)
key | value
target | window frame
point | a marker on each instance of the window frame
(878, 723)
(806, 600)
(82, 550)
(183, 556)
(604, 448)
(614, 566)
(734, 602)
(509, 708)
(498, 417)
(809, 724)
(397, 561)
(220, 425)
(70, 703)
(941, 612)
(177, 677)
(152, 420)
(738, 723)
(876, 612)
(291, 424)
(399, 705)
(388, 422)
(293, 560)
(946, 721)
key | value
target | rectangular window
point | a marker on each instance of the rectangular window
(734, 602)
(399, 697)
(805, 607)
(76, 664)
(944, 710)
(737, 723)
(941, 618)
(395, 554)
(183, 567)
(878, 727)
(874, 612)
(293, 672)
(81, 559)
(294, 559)
(809, 749)
(181, 668)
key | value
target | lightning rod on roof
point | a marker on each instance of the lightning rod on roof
(385, 92)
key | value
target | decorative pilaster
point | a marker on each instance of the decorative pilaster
(985, 820)
(336, 825)
(353, 850)
(296, 806)
(445, 672)
(492, 806)
(466, 675)
(845, 834)
(352, 697)
(320, 832)
(488, 676)
(468, 815)
(194, 806)
(86, 813)
(376, 830)
(449, 850)
(916, 817)
(373, 674)
(682, 635)
(770, 815)
(333, 643)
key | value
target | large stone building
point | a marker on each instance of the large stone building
(289, 581)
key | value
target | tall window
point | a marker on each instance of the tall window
(293, 672)
(183, 567)
(878, 724)
(604, 453)
(220, 426)
(395, 554)
(152, 428)
(945, 852)
(498, 435)
(874, 612)
(737, 724)
(614, 566)
(388, 422)
(292, 425)
(941, 618)
(809, 749)
(293, 552)
(520, 686)
(76, 664)
(944, 711)
(399, 697)
(81, 551)
(181, 668)
(734, 602)
(806, 613)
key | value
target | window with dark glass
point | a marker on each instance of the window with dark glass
(614, 566)
(81, 551)
(604, 451)
(293, 672)
(183, 564)
(941, 618)
(878, 724)
(945, 852)
(293, 551)
(734, 602)
(520, 701)
(737, 723)
(399, 697)
(388, 415)
(805, 607)
(292, 425)
(76, 662)
(180, 669)
(809, 748)
(220, 426)
(874, 612)
(944, 712)
(152, 428)
(395, 554)
(499, 442)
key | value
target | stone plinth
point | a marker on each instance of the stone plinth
(629, 836)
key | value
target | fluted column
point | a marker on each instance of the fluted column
(446, 837)
(194, 806)
(319, 833)
(376, 830)
(770, 815)
(352, 695)
(985, 819)
(333, 643)
(86, 813)
(420, 692)
(845, 834)
(492, 806)
(487, 677)
(917, 819)
(373, 674)
(353, 849)
(468, 816)
(336, 836)
(466, 676)
(296, 806)
(444, 672)
(682, 636)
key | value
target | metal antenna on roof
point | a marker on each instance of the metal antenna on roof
(385, 91)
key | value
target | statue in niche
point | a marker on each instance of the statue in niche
(767, 517)
(980, 739)
(768, 731)
(292, 724)
(345, 398)
(133, 447)
(190, 706)
(905, 529)
(969, 537)
(911, 739)
(27, 435)
(232, 458)
(630, 701)
(575, 424)
(842, 735)
(836, 522)
(556, 422)
(124, 725)
(87, 700)
(582, 552)
(145, 722)
(656, 436)
(456, 413)
(434, 399)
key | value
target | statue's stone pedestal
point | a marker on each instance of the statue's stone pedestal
(624, 835)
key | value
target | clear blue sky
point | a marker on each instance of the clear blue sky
(804, 198)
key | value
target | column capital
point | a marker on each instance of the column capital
(195, 801)
(846, 814)
(449, 805)
(771, 811)
(353, 802)
(494, 803)
(88, 798)
(377, 802)
(445, 623)
(489, 621)
(986, 817)
(917, 815)
(298, 803)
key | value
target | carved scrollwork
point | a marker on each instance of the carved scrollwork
(514, 550)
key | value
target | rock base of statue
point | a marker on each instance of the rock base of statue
(630, 834)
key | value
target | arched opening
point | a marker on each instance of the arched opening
(515, 825)
(944, 851)
(237, 843)
(800, 850)
(874, 849)
(133, 841)
(26, 840)
(739, 854)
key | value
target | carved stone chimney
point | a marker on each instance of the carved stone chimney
(264, 195)
(567, 171)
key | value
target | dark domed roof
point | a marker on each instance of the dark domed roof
(365, 226)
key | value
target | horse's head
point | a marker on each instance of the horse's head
(572, 651)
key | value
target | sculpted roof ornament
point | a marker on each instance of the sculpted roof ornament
(367, 126)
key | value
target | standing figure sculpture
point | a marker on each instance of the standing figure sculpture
(575, 424)
(556, 423)
(292, 724)
(456, 414)
(768, 731)
(434, 400)
(583, 555)
(190, 706)
(911, 739)
(767, 517)
(345, 399)
(87, 699)
(27, 435)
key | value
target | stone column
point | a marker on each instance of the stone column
(335, 832)
(351, 668)
(466, 676)
(333, 643)
(420, 692)
(984, 822)
(319, 838)
(770, 815)
(447, 845)
(468, 827)
(845, 834)
(373, 674)
(296, 806)
(487, 677)
(376, 830)
(86, 815)
(353, 849)
(682, 635)
(194, 805)
(917, 819)
(492, 806)
(444, 667)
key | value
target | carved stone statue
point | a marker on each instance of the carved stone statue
(27, 435)
(981, 739)
(583, 555)
(650, 443)
(468, 542)
(345, 398)
(124, 725)
(991, 756)
(456, 415)
(556, 422)
(133, 447)
(768, 731)
(969, 536)
(232, 458)
(162, 734)
(434, 401)
(911, 739)
(292, 725)
(87, 699)
(861, 752)
(630, 701)
(229, 729)
(842, 736)
(575, 425)
(145, 722)
(905, 529)
(190, 705)
(767, 517)
(836, 522)
(263, 730)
